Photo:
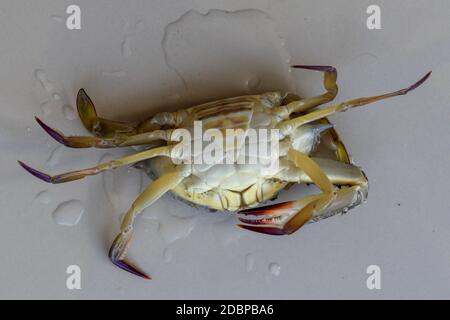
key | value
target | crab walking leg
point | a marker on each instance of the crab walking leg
(312, 170)
(338, 172)
(329, 82)
(299, 212)
(288, 126)
(120, 140)
(287, 217)
(79, 174)
(154, 191)
(99, 126)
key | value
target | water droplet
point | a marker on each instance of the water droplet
(46, 109)
(168, 255)
(28, 129)
(249, 262)
(126, 50)
(211, 67)
(43, 197)
(173, 228)
(68, 213)
(56, 96)
(69, 112)
(41, 76)
(274, 269)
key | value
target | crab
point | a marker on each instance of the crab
(310, 151)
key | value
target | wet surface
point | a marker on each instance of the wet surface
(221, 54)
(136, 59)
(68, 213)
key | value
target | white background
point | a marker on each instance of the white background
(402, 144)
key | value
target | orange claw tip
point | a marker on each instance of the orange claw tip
(256, 221)
(52, 132)
(270, 210)
(38, 174)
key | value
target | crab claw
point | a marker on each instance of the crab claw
(279, 219)
(117, 254)
(72, 142)
(287, 217)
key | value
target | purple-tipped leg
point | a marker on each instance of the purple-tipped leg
(117, 254)
(315, 68)
(60, 178)
(76, 141)
(38, 174)
(55, 134)
(418, 83)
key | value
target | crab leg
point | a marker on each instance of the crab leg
(329, 82)
(339, 173)
(120, 140)
(288, 126)
(108, 128)
(79, 174)
(154, 191)
(99, 126)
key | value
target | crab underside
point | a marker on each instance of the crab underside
(302, 159)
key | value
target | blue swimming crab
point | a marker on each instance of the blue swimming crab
(239, 188)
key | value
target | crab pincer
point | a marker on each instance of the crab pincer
(279, 219)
